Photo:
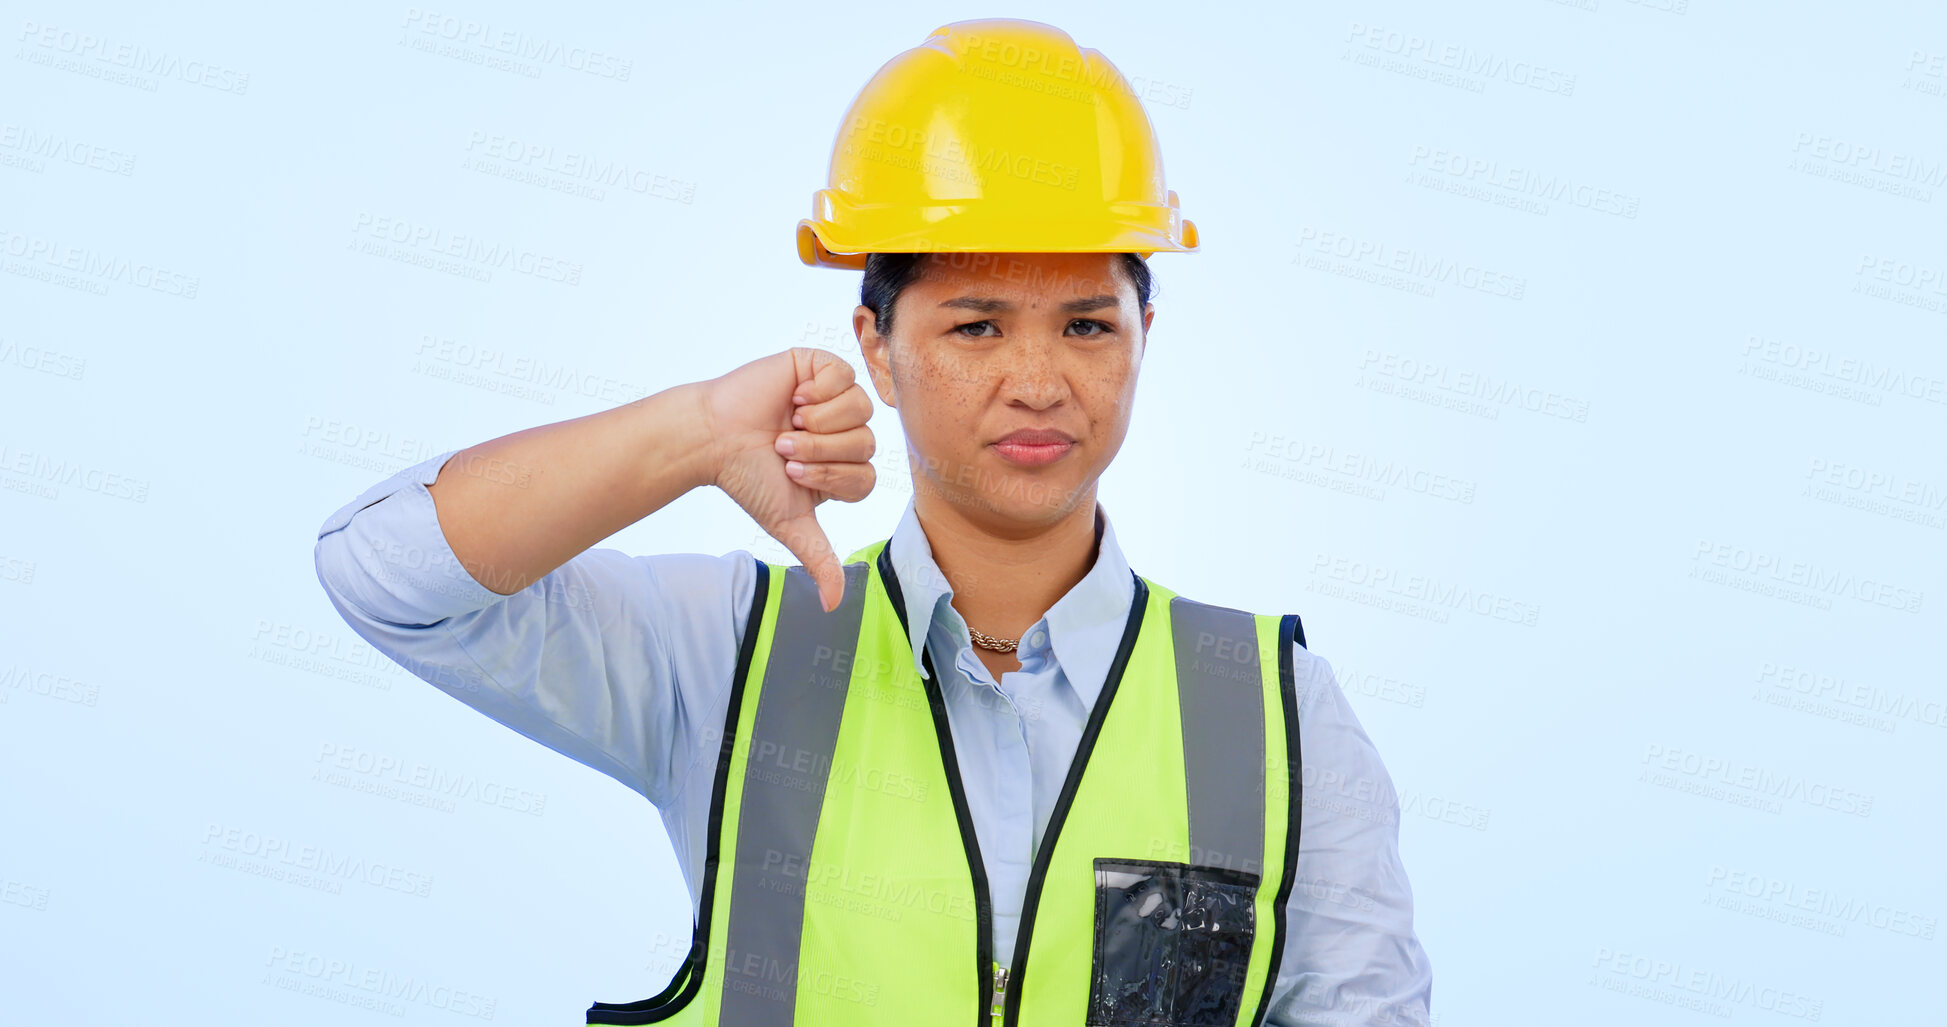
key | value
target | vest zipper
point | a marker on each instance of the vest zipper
(999, 1004)
(1038, 872)
(950, 764)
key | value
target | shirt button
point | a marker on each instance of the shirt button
(1038, 639)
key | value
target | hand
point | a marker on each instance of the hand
(790, 431)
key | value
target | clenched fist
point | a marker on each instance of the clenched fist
(791, 432)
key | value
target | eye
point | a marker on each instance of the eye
(976, 324)
(1103, 325)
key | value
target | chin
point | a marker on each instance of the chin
(1026, 499)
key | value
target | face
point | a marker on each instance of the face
(1013, 375)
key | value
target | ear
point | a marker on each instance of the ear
(877, 351)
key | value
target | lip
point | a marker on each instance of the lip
(1030, 447)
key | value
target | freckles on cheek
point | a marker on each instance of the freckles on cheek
(944, 387)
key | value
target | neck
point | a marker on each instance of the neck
(1002, 584)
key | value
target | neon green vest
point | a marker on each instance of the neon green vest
(851, 891)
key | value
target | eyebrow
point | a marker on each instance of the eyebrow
(994, 306)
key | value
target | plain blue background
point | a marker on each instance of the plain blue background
(1650, 804)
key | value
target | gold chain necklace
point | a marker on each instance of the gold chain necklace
(1007, 645)
(999, 645)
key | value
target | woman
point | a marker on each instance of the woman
(978, 767)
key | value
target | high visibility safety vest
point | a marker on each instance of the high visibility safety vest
(842, 883)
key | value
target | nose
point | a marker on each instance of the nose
(1034, 375)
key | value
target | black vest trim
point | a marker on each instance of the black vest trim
(1289, 631)
(689, 977)
(936, 702)
(1017, 970)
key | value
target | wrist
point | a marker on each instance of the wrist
(667, 435)
(702, 445)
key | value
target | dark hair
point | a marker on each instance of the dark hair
(888, 274)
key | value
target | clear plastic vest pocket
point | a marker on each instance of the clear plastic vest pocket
(1172, 944)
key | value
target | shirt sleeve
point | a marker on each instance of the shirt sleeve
(621, 663)
(1350, 956)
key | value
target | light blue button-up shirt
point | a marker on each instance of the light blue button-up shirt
(624, 663)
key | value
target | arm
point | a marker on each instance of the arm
(514, 508)
(620, 663)
(518, 506)
(473, 570)
(1350, 956)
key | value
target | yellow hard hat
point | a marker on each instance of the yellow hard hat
(996, 135)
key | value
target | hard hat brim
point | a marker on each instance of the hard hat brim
(820, 246)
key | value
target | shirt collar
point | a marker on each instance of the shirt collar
(1084, 626)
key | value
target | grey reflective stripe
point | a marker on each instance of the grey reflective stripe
(1220, 693)
(791, 743)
